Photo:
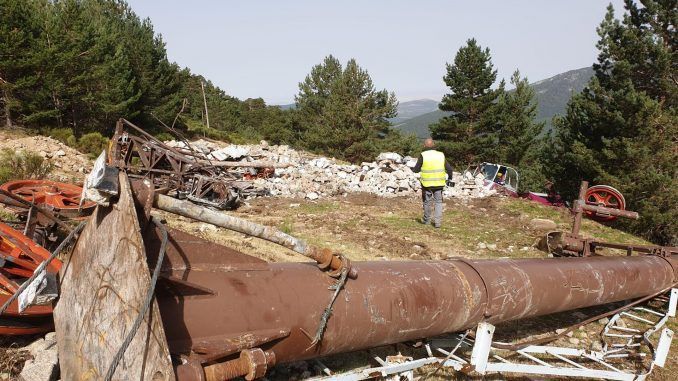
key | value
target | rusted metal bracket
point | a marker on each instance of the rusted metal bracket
(333, 263)
(572, 244)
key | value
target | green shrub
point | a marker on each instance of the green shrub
(164, 136)
(22, 165)
(64, 135)
(92, 144)
(197, 130)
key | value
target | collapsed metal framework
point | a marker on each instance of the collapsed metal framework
(185, 172)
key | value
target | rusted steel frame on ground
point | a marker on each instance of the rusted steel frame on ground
(388, 302)
(169, 168)
(151, 151)
(573, 244)
(644, 249)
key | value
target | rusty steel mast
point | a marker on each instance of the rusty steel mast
(234, 315)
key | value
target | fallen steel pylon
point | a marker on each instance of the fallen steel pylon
(221, 314)
(481, 355)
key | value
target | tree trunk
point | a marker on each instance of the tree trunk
(190, 210)
(8, 116)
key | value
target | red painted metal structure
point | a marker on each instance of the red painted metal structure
(19, 257)
(605, 196)
(227, 314)
(63, 199)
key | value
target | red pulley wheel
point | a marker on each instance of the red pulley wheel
(19, 257)
(607, 196)
(63, 198)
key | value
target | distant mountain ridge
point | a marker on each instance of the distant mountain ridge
(552, 96)
(412, 109)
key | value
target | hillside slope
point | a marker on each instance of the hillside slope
(552, 97)
(412, 109)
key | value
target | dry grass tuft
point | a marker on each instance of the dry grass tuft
(12, 357)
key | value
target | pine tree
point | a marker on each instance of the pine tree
(466, 135)
(623, 128)
(19, 29)
(344, 115)
(511, 121)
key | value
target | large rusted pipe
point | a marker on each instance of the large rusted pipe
(389, 302)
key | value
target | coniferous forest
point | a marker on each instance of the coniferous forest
(74, 67)
(71, 68)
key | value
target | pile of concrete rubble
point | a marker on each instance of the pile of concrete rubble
(313, 177)
(68, 163)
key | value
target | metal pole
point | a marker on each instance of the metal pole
(389, 302)
(578, 207)
(204, 99)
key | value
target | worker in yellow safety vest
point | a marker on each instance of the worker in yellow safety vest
(435, 171)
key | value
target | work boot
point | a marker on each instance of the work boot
(437, 226)
(423, 221)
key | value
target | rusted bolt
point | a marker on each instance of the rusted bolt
(257, 360)
(333, 263)
(252, 364)
(190, 371)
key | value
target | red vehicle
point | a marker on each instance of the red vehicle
(505, 179)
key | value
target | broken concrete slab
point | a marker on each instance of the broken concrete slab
(310, 175)
(44, 364)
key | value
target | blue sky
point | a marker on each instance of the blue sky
(265, 48)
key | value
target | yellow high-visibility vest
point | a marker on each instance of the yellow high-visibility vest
(433, 169)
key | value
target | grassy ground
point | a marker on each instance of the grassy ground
(366, 227)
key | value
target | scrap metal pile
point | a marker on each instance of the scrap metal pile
(136, 299)
(24, 248)
(184, 172)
